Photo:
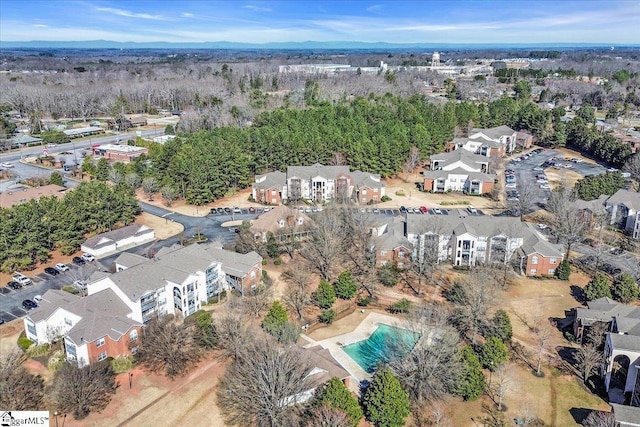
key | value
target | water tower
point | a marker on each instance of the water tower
(435, 59)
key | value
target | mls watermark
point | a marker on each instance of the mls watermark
(24, 418)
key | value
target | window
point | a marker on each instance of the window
(102, 356)
(552, 271)
(133, 335)
(273, 192)
(253, 274)
(364, 191)
(400, 254)
(100, 342)
(534, 259)
(553, 261)
(533, 271)
(68, 321)
(375, 190)
(383, 253)
(401, 265)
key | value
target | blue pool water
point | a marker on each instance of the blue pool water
(386, 343)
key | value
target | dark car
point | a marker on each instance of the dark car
(617, 251)
(227, 210)
(78, 261)
(220, 211)
(403, 209)
(29, 305)
(252, 209)
(213, 211)
(52, 271)
(14, 285)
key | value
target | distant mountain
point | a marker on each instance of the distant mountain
(107, 44)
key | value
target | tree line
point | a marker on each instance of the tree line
(30, 231)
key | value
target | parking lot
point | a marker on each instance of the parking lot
(378, 211)
(11, 300)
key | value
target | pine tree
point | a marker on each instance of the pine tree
(471, 382)
(276, 319)
(325, 295)
(625, 289)
(598, 287)
(337, 395)
(345, 286)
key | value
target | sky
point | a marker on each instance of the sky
(417, 21)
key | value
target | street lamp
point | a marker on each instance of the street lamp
(130, 380)
(64, 418)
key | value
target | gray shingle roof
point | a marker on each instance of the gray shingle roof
(308, 172)
(463, 155)
(393, 237)
(630, 199)
(329, 367)
(129, 260)
(51, 301)
(109, 237)
(366, 179)
(483, 225)
(627, 416)
(535, 244)
(495, 132)
(440, 173)
(176, 264)
(275, 179)
(625, 342)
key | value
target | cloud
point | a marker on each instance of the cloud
(256, 8)
(129, 14)
(187, 15)
(40, 26)
(376, 8)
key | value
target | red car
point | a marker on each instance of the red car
(423, 209)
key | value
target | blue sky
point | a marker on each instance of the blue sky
(453, 21)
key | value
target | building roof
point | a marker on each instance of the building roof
(24, 139)
(176, 263)
(128, 260)
(51, 301)
(308, 172)
(464, 156)
(494, 133)
(630, 199)
(627, 416)
(324, 365)
(535, 244)
(596, 205)
(393, 236)
(110, 237)
(624, 342)
(82, 131)
(366, 179)
(270, 221)
(23, 194)
(478, 225)
(275, 179)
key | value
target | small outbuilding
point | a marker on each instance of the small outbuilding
(118, 240)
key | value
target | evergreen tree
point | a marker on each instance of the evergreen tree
(625, 289)
(56, 178)
(276, 319)
(335, 394)
(598, 287)
(501, 326)
(345, 286)
(564, 270)
(471, 382)
(385, 403)
(493, 353)
(325, 295)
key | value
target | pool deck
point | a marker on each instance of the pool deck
(363, 331)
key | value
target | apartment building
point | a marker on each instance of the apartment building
(459, 170)
(492, 142)
(178, 280)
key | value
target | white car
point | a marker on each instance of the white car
(472, 210)
(236, 210)
(543, 226)
(437, 211)
(6, 165)
(538, 169)
(545, 186)
(21, 278)
(51, 145)
(88, 257)
(511, 185)
(61, 267)
(37, 299)
(80, 285)
(266, 209)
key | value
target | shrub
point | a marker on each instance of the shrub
(401, 306)
(122, 364)
(400, 193)
(385, 402)
(493, 353)
(598, 287)
(385, 198)
(337, 395)
(277, 261)
(38, 350)
(454, 202)
(388, 275)
(275, 319)
(24, 343)
(625, 289)
(363, 301)
(265, 261)
(56, 361)
(327, 316)
(471, 381)
(71, 290)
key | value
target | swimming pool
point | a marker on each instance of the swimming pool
(386, 343)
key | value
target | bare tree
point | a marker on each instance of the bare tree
(263, 384)
(434, 414)
(413, 160)
(528, 192)
(115, 176)
(297, 295)
(327, 416)
(150, 187)
(430, 369)
(600, 419)
(359, 250)
(232, 329)
(169, 347)
(424, 263)
(169, 194)
(632, 166)
(542, 338)
(81, 391)
(568, 221)
(501, 384)
(587, 360)
(19, 390)
(133, 180)
(256, 301)
(326, 243)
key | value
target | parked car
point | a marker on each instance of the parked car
(37, 299)
(88, 257)
(220, 211)
(80, 285)
(403, 209)
(29, 305)
(78, 261)
(51, 271)
(21, 278)
(227, 210)
(266, 209)
(6, 165)
(538, 169)
(616, 251)
(213, 211)
(423, 209)
(61, 267)
(236, 210)
(437, 211)
(252, 209)
(14, 285)
(376, 210)
(472, 210)
(545, 186)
